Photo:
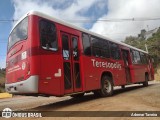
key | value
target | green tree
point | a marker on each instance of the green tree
(153, 44)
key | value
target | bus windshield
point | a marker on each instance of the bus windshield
(20, 32)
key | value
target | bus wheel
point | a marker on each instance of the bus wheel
(145, 83)
(78, 95)
(106, 86)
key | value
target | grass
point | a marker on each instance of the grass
(2, 81)
(157, 75)
(2, 90)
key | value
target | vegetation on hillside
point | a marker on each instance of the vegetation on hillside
(2, 80)
(2, 72)
(152, 43)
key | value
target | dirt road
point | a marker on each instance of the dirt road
(132, 98)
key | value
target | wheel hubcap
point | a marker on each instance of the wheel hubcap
(107, 86)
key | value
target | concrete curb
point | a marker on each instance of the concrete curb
(5, 95)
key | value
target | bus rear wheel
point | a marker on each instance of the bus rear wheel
(106, 86)
(145, 83)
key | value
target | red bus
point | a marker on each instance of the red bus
(47, 56)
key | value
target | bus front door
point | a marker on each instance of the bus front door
(71, 66)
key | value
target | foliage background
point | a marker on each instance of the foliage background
(153, 45)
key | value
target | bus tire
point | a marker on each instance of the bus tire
(106, 86)
(145, 83)
(78, 95)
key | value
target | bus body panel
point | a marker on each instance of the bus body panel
(18, 60)
(50, 64)
(18, 74)
(14, 64)
(139, 72)
(28, 86)
(95, 67)
(46, 67)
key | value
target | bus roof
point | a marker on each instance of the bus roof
(73, 26)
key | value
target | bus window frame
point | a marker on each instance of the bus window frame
(119, 51)
(133, 58)
(93, 47)
(20, 40)
(51, 22)
(146, 58)
(83, 44)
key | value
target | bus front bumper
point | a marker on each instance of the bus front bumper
(28, 86)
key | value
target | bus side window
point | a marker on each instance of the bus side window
(100, 47)
(65, 45)
(86, 44)
(136, 59)
(75, 48)
(48, 36)
(96, 51)
(105, 51)
(132, 56)
(143, 58)
(115, 52)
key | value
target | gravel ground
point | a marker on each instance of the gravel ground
(132, 98)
